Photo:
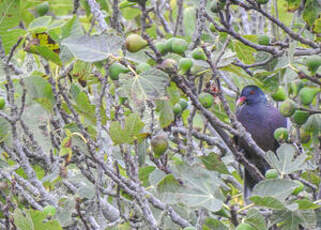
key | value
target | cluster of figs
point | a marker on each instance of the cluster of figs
(297, 106)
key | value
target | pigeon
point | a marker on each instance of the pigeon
(260, 119)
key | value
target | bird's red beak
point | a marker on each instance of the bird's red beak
(240, 101)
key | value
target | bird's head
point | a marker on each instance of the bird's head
(251, 95)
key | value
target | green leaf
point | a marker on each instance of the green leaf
(293, 4)
(305, 204)
(277, 188)
(255, 219)
(4, 129)
(149, 85)
(72, 28)
(93, 48)
(9, 14)
(166, 114)
(268, 202)
(244, 52)
(317, 26)
(213, 224)
(40, 221)
(48, 54)
(200, 188)
(9, 38)
(213, 162)
(40, 91)
(40, 24)
(284, 162)
(143, 174)
(23, 222)
(311, 11)
(130, 133)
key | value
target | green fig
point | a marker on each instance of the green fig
(198, 54)
(313, 124)
(115, 69)
(184, 65)
(262, 1)
(271, 174)
(281, 134)
(2, 103)
(313, 64)
(299, 188)
(162, 48)
(295, 87)
(183, 103)
(206, 99)
(287, 108)
(300, 117)
(42, 8)
(135, 42)
(217, 5)
(169, 44)
(169, 65)
(264, 40)
(307, 94)
(177, 109)
(179, 46)
(280, 94)
(244, 226)
(159, 145)
(142, 67)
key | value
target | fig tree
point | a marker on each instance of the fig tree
(135, 42)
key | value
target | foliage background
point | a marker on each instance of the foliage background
(75, 144)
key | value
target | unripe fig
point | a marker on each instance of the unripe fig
(206, 99)
(179, 46)
(184, 65)
(159, 145)
(183, 103)
(307, 94)
(287, 108)
(177, 109)
(198, 54)
(281, 134)
(135, 42)
(169, 65)
(295, 87)
(217, 5)
(262, 1)
(162, 48)
(313, 63)
(115, 69)
(42, 8)
(264, 40)
(299, 188)
(2, 103)
(271, 174)
(169, 44)
(280, 94)
(142, 67)
(244, 226)
(300, 117)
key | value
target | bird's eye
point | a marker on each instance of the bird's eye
(252, 92)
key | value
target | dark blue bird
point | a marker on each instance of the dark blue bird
(260, 119)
